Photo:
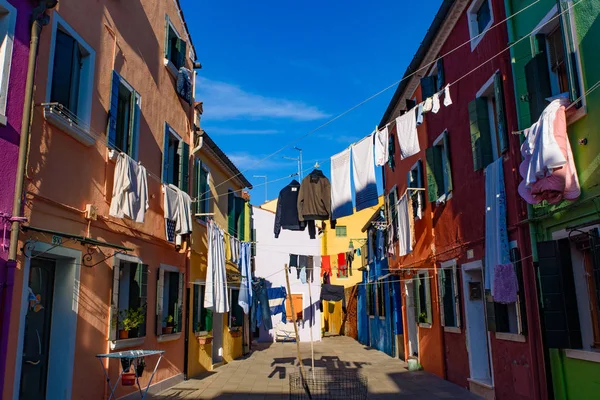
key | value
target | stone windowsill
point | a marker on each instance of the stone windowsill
(452, 329)
(171, 68)
(511, 337)
(485, 384)
(127, 343)
(169, 337)
(424, 325)
(70, 127)
(591, 356)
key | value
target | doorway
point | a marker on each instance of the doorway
(38, 325)
(477, 334)
(217, 344)
(413, 332)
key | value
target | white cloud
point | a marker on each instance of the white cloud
(232, 131)
(226, 101)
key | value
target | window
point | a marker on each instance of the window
(554, 67)
(449, 298)
(341, 231)
(203, 194)
(415, 180)
(124, 116)
(422, 294)
(8, 17)
(176, 153)
(435, 81)
(236, 215)
(129, 297)
(371, 299)
(439, 173)
(380, 299)
(202, 317)
(480, 18)
(487, 119)
(236, 312)
(169, 300)
(71, 76)
(392, 211)
(175, 47)
(298, 307)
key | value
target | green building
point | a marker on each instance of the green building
(562, 55)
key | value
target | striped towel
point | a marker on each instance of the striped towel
(277, 301)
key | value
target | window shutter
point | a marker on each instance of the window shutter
(197, 185)
(195, 308)
(500, 112)
(427, 86)
(416, 299)
(181, 52)
(113, 107)
(441, 80)
(231, 213)
(432, 183)
(570, 56)
(456, 296)
(160, 282)
(559, 302)
(537, 77)
(167, 36)
(178, 314)
(165, 155)
(410, 104)
(595, 249)
(114, 306)
(135, 130)
(447, 163)
(515, 258)
(427, 283)
(481, 144)
(141, 278)
(184, 157)
(490, 312)
(442, 295)
(241, 211)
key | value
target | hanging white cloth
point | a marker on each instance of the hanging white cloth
(215, 293)
(447, 98)
(427, 105)
(406, 129)
(404, 231)
(382, 147)
(341, 191)
(436, 103)
(363, 165)
(245, 296)
(183, 224)
(130, 190)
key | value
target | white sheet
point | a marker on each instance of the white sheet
(406, 128)
(382, 148)
(363, 165)
(341, 191)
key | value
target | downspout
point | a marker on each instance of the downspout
(39, 18)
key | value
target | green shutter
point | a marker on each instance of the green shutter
(570, 56)
(241, 218)
(141, 279)
(447, 163)
(178, 314)
(231, 212)
(490, 312)
(432, 182)
(160, 282)
(197, 186)
(416, 299)
(181, 52)
(427, 86)
(113, 109)
(481, 144)
(167, 36)
(441, 80)
(500, 113)
(515, 258)
(195, 308)
(442, 296)
(537, 76)
(165, 155)
(114, 306)
(184, 157)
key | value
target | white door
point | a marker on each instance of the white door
(477, 335)
(413, 333)
(217, 344)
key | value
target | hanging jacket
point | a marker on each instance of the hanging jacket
(286, 216)
(314, 198)
(185, 85)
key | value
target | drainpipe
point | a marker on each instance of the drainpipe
(39, 18)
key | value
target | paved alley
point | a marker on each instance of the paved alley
(265, 374)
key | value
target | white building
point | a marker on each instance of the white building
(271, 257)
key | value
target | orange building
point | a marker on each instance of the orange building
(87, 283)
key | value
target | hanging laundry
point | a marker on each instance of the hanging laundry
(245, 295)
(496, 235)
(260, 311)
(406, 129)
(391, 248)
(506, 285)
(312, 261)
(215, 293)
(185, 85)
(333, 293)
(392, 151)
(233, 258)
(325, 265)
(379, 245)
(427, 105)
(447, 99)
(293, 262)
(404, 232)
(314, 198)
(327, 278)
(364, 174)
(130, 190)
(382, 150)
(286, 216)
(420, 113)
(436, 103)
(342, 269)
(302, 276)
(349, 260)
(341, 191)
(227, 246)
(545, 175)
(302, 264)
(170, 212)
(277, 302)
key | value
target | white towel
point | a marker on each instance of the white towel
(215, 290)
(404, 231)
(170, 203)
(141, 197)
(363, 166)
(341, 191)
(178, 208)
(436, 103)
(382, 148)
(406, 129)
(447, 99)
(130, 190)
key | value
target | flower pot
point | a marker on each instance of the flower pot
(205, 339)
(128, 379)
(167, 330)
(123, 334)
(236, 333)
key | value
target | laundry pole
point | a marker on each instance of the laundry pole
(312, 343)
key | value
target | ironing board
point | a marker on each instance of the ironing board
(133, 355)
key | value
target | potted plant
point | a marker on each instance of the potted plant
(128, 319)
(206, 339)
(169, 325)
(423, 318)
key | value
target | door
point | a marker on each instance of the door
(411, 320)
(217, 344)
(36, 343)
(477, 335)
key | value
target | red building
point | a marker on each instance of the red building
(462, 334)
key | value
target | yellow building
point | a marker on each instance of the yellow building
(218, 185)
(345, 236)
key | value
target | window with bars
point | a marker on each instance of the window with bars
(202, 189)
(449, 296)
(169, 300)
(129, 297)
(202, 317)
(341, 231)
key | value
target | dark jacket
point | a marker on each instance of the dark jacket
(286, 216)
(314, 199)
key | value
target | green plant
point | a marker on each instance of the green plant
(131, 318)
(423, 317)
(169, 320)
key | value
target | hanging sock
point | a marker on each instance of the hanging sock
(436, 103)
(427, 105)
(420, 113)
(447, 99)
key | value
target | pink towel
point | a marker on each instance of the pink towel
(505, 284)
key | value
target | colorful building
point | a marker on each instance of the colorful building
(216, 338)
(85, 282)
(15, 34)
(346, 236)
(561, 57)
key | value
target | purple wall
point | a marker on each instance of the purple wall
(9, 149)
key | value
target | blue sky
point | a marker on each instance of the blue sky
(275, 70)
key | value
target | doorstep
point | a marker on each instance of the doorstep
(482, 388)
